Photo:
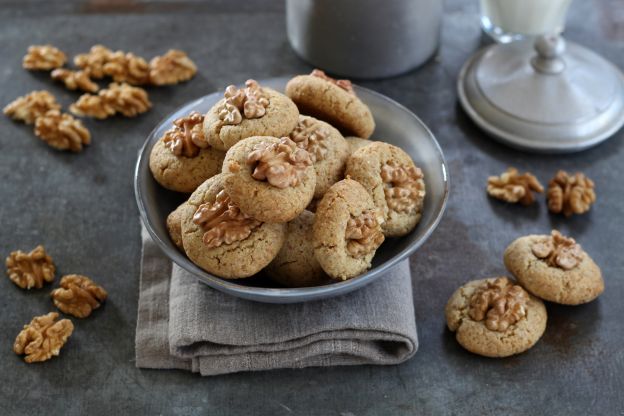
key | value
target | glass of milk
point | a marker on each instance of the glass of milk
(509, 20)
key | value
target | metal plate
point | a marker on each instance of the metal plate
(395, 124)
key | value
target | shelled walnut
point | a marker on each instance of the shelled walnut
(558, 251)
(127, 67)
(500, 303)
(43, 58)
(570, 194)
(28, 107)
(93, 61)
(117, 98)
(363, 234)
(282, 164)
(345, 84)
(404, 187)
(186, 137)
(223, 222)
(74, 80)
(171, 68)
(514, 187)
(78, 295)
(43, 338)
(30, 270)
(62, 131)
(309, 136)
(250, 101)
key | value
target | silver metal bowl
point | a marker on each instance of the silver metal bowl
(395, 124)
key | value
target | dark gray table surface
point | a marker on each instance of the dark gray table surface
(81, 207)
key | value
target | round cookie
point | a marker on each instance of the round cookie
(333, 101)
(181, 173)
(488, 336)
(573, 284)
(295, 264)
(272, 197)
(394, 182)
(174, 224)
(327, 147)
(347, 230)
(356, 143)
(279, 120)
(236, 259)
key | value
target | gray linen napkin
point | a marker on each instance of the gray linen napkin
(185, 324)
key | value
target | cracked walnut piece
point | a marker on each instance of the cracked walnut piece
(250, 101)
(403, 186)
(171, 68)
(345, 84)
(127, 67)
(223, 222)
(61, 131)
(43, 338)
(186, 136)
(74, 80)
(281, 164)
(310, 136)
(363, 234)
(43, 58)
(78, 295)
(28, 270)
(117, 98)
(570, 194)
(93, 61)
(513, 187)
(28, 107)
(558, 251)
(500, 303)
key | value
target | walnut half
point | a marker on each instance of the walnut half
(43, 338)
(171, 68)
(117, 98)
(250, 101)
(570, 194)
(78, 295)
(28, 270)
(93, 61)
(558, 251)
(28, 107)
(281, 164)
(62, 131)
(345, 84)
(363, 234)
(74, 80)
(186, 136)
(43, 58)
(127, 67)
(310, 136)
(513, 187)
(404, 187)
(500, 303)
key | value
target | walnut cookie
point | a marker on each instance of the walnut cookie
(347, 230)
(182, 159)
(270, 179)
(246, 112)
(333, 101)
(295, 264)
(394, 182)
(222, 240)
(555, 268)
(327, 147)
(495, 317)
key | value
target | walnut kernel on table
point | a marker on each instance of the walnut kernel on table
(43, 58)
(30, 270)
(186, 137)
(93, 61)
(558, 251)
(513, 187)
(363, 234)
(127, 67)
(78, 295)
(62, 131)
(250, 101)
(74, 80)
(43, 338)
(223, 222)
(28, 107)
(281, 164)
(403, 186)
(171, 68)
(500, 303)
(311, 136)
(117, 98)
(570, 194)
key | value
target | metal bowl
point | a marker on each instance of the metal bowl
(395, 124)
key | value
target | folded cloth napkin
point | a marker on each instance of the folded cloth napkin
(185, 324)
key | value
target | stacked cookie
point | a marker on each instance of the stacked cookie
(275, 186)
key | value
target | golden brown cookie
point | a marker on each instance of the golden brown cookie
(554, 268)
(333, 101)
(394, 182)
(246, 112)
(295, 264)
(222, 240)
(327, 147)
(356, 143)
(270, 179)
(495, 317)
(347, 230)
(174, 224)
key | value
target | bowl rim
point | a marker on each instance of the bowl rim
(286, 295)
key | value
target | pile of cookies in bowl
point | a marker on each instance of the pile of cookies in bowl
(286, 184)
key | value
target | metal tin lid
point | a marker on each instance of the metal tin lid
(546, 97)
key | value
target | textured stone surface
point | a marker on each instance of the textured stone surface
(81, 207)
